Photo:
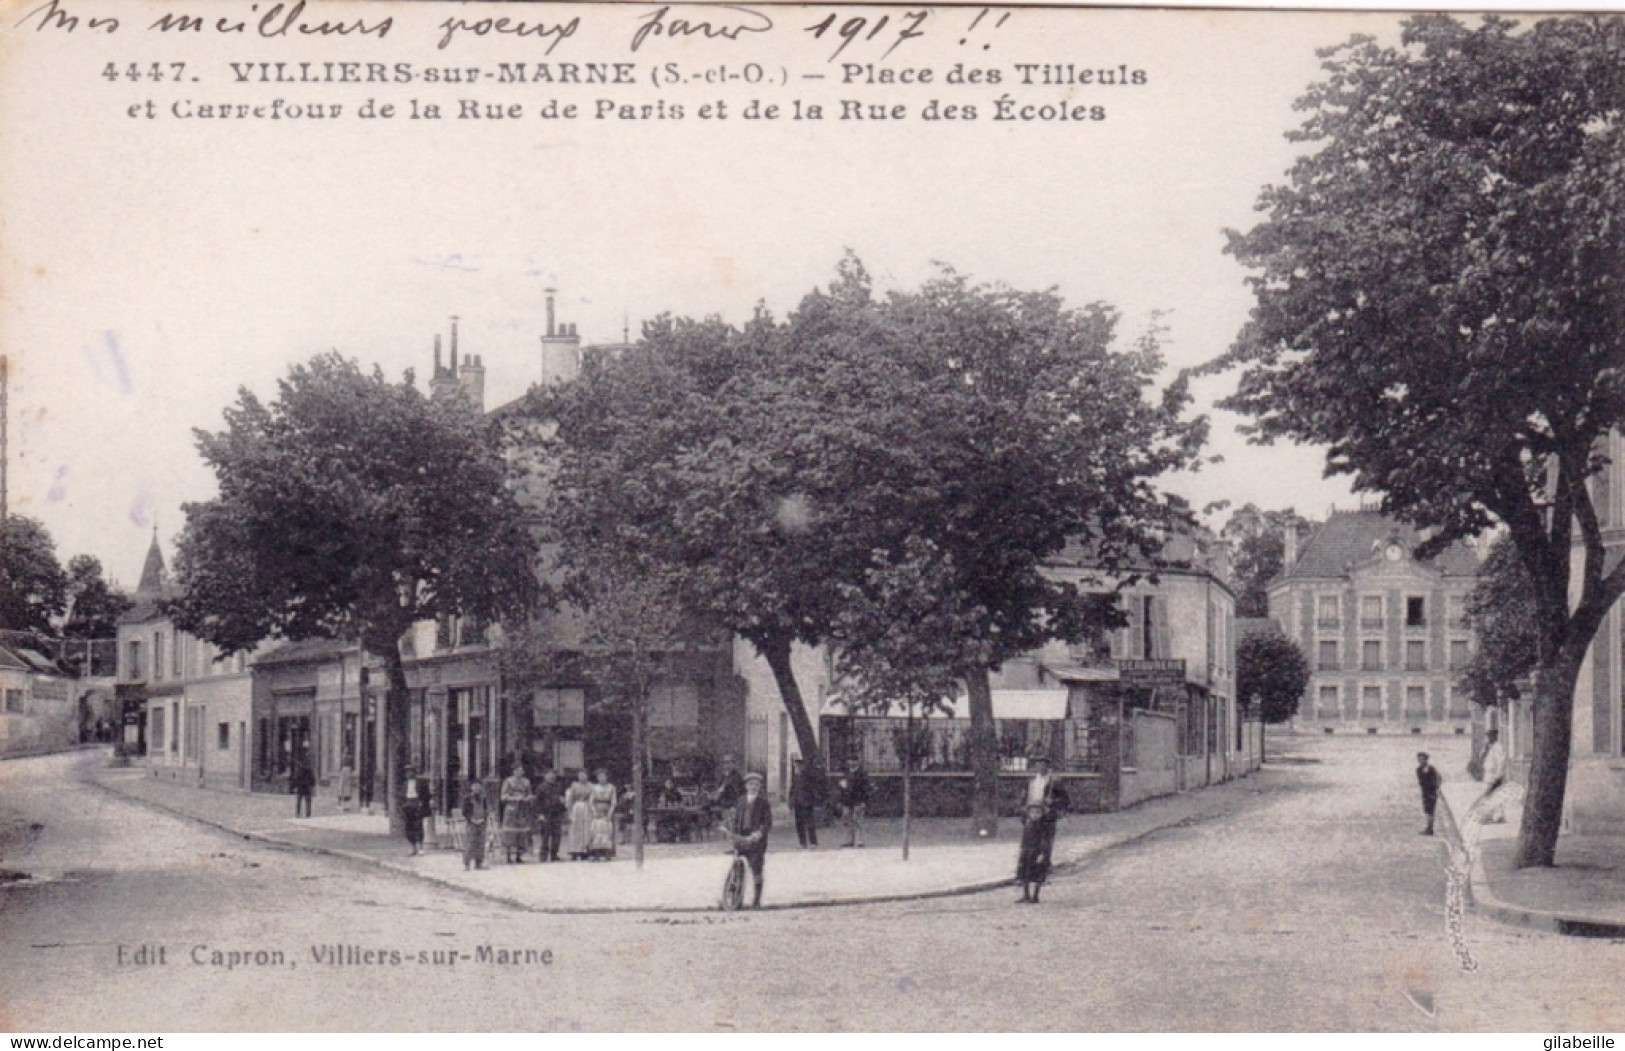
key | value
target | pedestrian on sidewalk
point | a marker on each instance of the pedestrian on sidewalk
(578, 801)
(752, 823)
(346, 788)
(1427, 779)
(550, 817)
(516, 801)
(477, 819)
(804, 804)
(303, 783)
(854, 795)
(413, 814)
(1046, 802)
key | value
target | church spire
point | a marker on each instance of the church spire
(153, 575)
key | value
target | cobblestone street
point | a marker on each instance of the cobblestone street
(1299, 899)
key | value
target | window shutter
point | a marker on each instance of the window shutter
(1159, 627)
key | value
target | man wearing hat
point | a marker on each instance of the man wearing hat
(1046, 801)
(752, 821)
(1427, 778)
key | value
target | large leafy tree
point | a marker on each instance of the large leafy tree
(1271, 676)
(352, 506)
(1441, 303)
(33, 587)
(1027, 428)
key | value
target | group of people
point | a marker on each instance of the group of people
(578, 821)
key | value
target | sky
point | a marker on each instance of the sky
(152, 266)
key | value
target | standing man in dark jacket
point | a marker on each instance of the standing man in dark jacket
(1427, 779)
(551, 817)
(304, 786)
(752, 821)
(854, 787)
(804, 804)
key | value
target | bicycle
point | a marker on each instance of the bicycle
(733, 886)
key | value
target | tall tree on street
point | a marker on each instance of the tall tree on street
(352, 507)
(33, 588)
(1028, 429)
(1271, 675)
(1441, 303)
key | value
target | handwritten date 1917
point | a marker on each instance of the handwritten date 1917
(859, 27)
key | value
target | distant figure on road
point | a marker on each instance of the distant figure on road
(303, 784)
(1427, 778)
(1046, 802)
(854, 793)
(477, 814)
(804, 804)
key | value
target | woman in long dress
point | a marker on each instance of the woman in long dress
(578, 799)
(601, 833)
(1046, 802)
(516, 815)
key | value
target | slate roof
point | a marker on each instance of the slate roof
(1353, 538)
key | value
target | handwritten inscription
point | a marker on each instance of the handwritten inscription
(716, 27)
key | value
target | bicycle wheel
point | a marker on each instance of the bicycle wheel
(733, 888)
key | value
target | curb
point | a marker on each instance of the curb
(963, 890)
(1485, 902)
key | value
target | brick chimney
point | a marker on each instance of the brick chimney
(472, 379)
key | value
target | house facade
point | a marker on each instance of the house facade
(185, 705)
(1385, 633)
(38, 701)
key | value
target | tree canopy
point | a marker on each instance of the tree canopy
(1260, 538)
(352, 507)
(1271, 675)
(94, 606)
(33, 587)
(770, 463)
(1440, 302)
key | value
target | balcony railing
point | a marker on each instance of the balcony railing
(1371, 623)
(1328, 623)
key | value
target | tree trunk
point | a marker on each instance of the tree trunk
(1549, 762)
(908, 777)
(776, 651)
(397, 726)
(984, 754)
(637, 777)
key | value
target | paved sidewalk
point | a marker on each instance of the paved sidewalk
(1583, 894)
(683, 878)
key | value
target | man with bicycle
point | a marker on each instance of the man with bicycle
(752, 821)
